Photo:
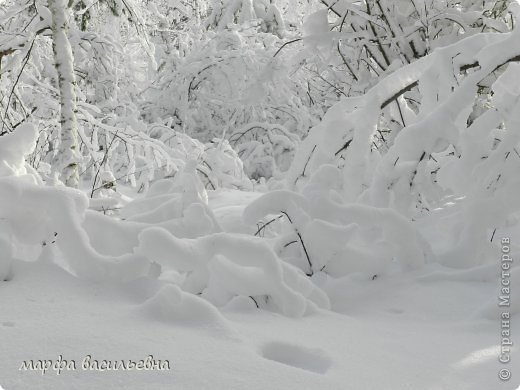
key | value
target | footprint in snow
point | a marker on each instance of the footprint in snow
(309, 359)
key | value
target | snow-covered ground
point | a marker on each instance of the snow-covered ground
(434, 328)
(347, 215)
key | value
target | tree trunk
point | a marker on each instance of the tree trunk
(69, 153)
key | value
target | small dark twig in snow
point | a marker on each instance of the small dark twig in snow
(493, 235)
(254, 300)
(301, 242)
(267, 224)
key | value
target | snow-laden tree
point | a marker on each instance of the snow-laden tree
(30, 22)
(371, 38)
(459, 140)
(226, 83)
(69, 153)
(349, 46)
(113, 143)
(32, 72)
(263, 13)
(21, 31)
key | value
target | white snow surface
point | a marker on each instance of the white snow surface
(337, 281)
(431, 328)
(413, 331)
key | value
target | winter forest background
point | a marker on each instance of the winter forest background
(270, 194)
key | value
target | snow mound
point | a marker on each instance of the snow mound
(35, 217)
(38, 216)
(179, 205)
(221, 266)
(325, 233)
(172, 305)
(14, 147)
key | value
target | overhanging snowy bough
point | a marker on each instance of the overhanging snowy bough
(54, 224)
(325, 234)
(34, 216)
(459, 137)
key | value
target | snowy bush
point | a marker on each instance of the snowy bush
(33, 215)
(221, 167)
(451, 144)
(182, 199)
(266, 150)
(219, 83)
(222, 266)
(336, 237)
(227, 12)
(349, 46)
